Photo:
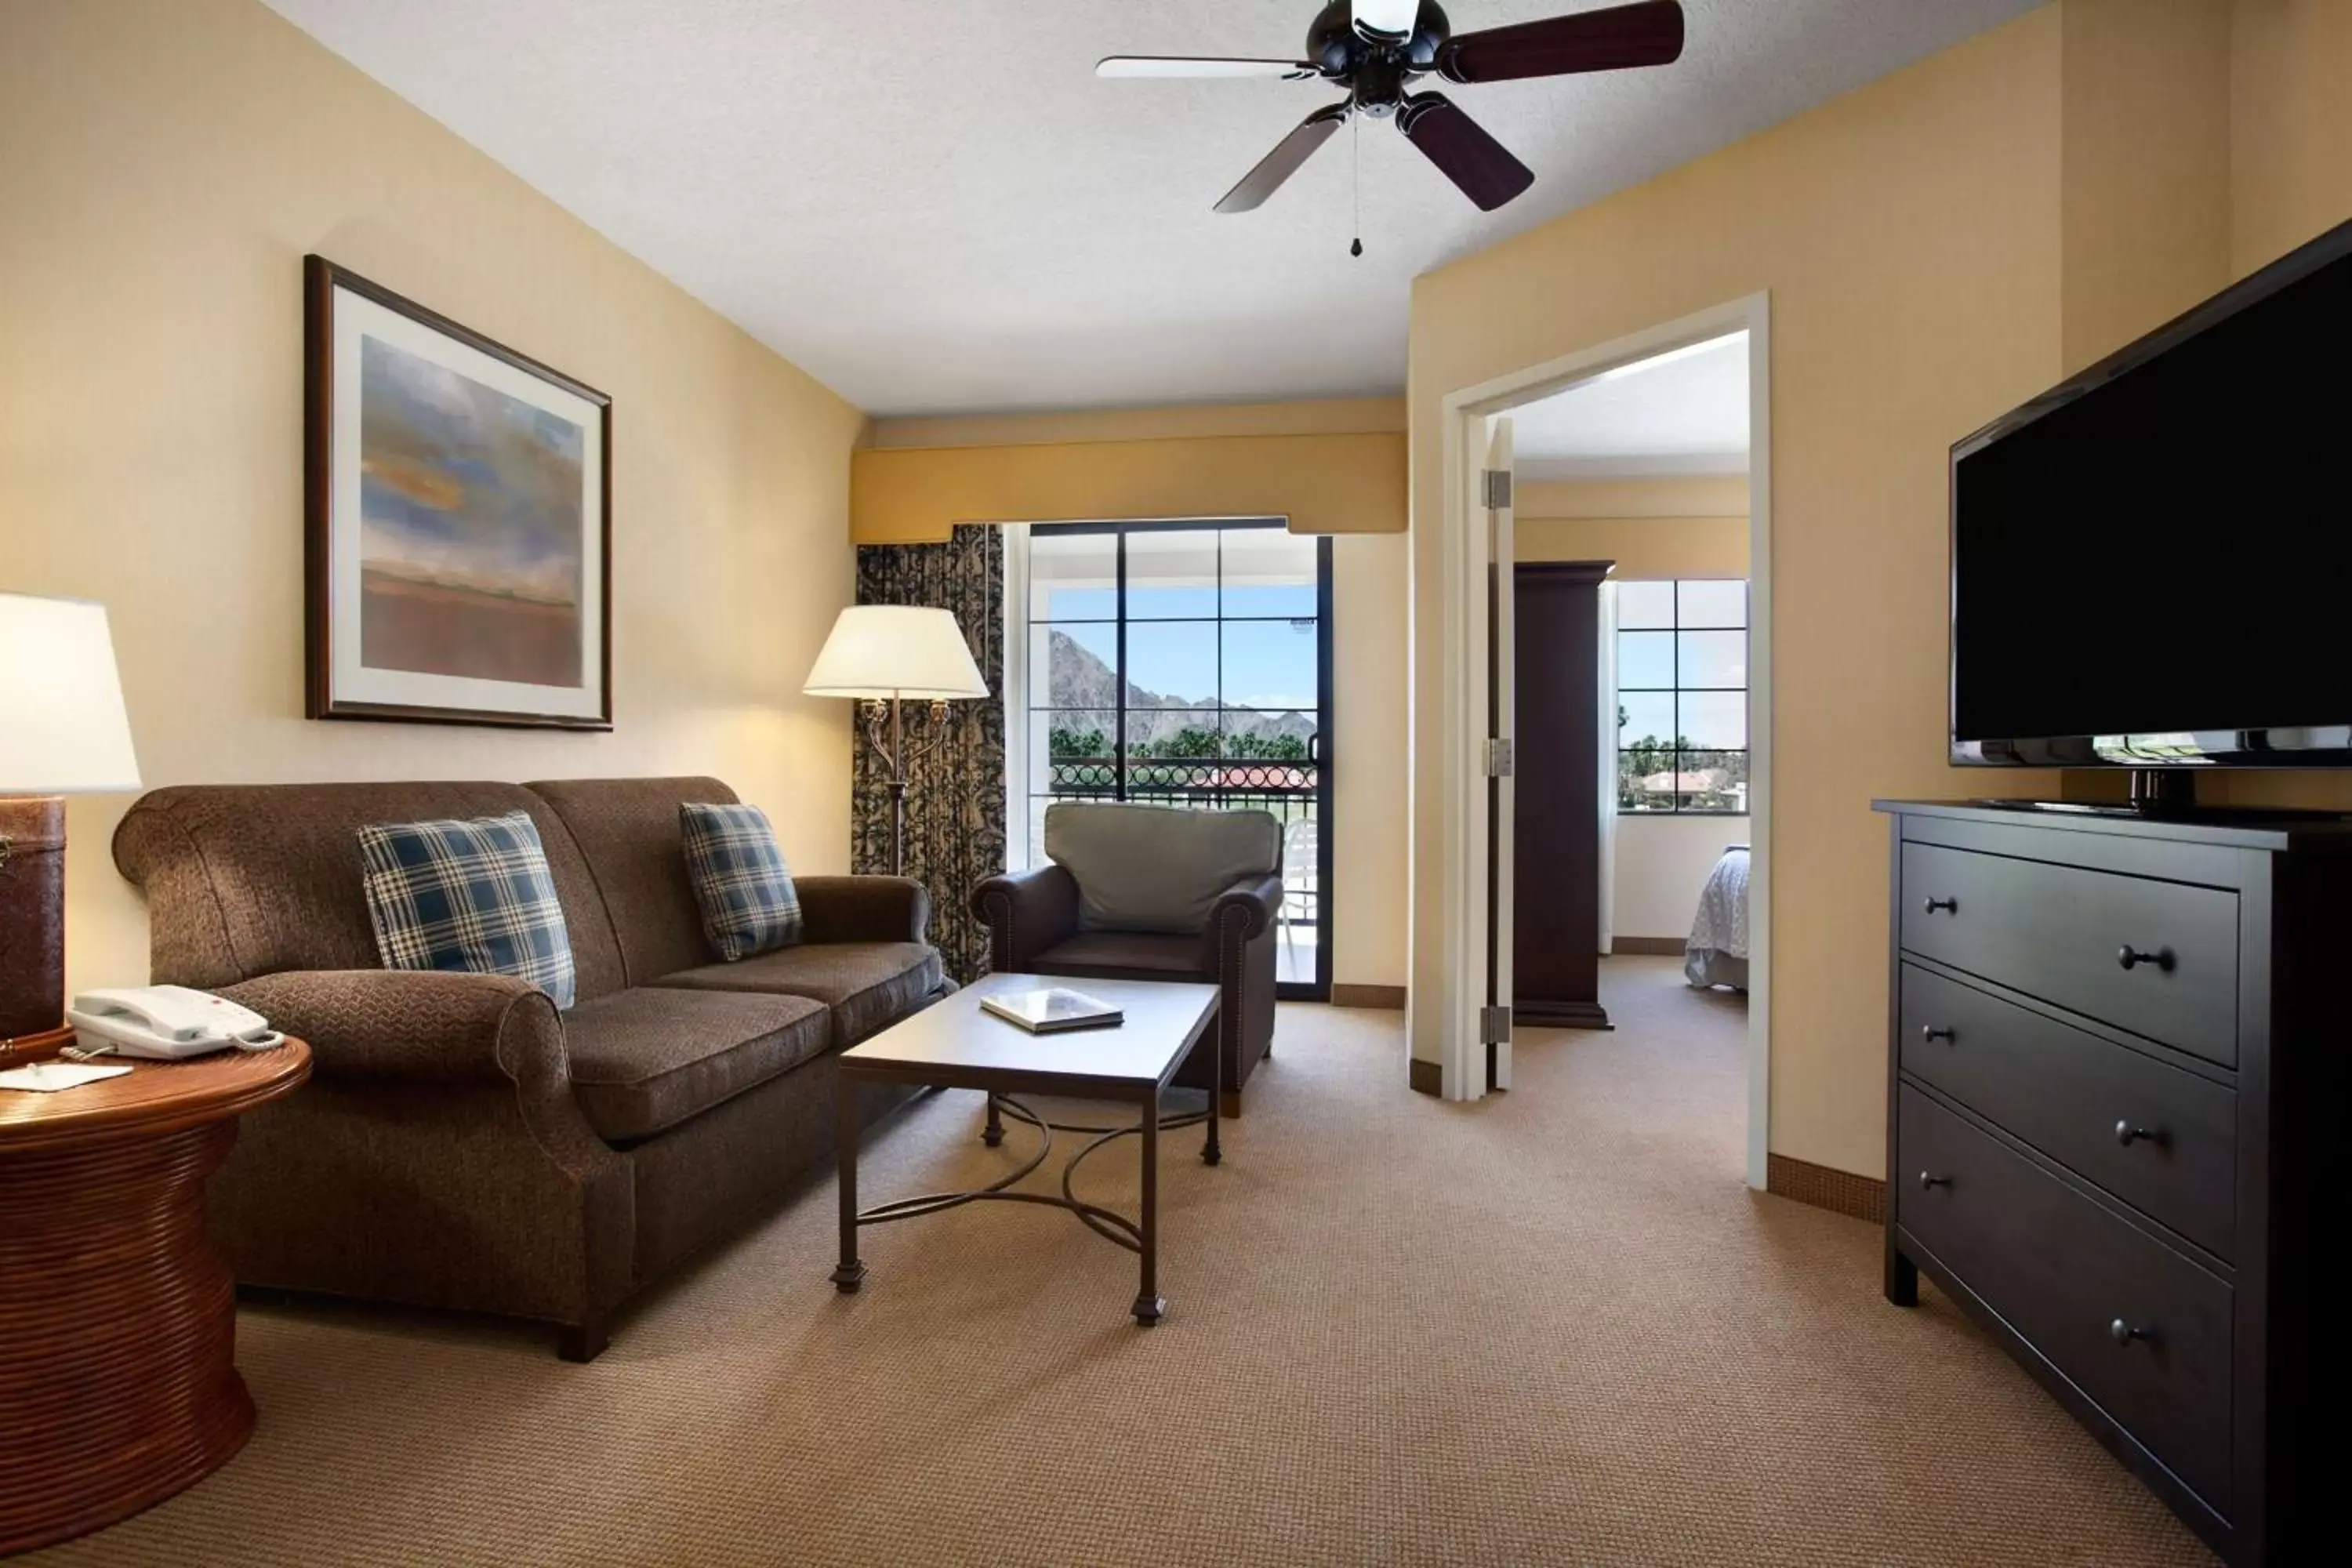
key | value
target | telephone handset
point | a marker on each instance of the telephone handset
(163, 1023)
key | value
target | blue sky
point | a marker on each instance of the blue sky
(1268, 658)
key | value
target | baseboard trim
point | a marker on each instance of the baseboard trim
(1388, 997)
(1840, 1192)
(1657, 946)
(1426, 1077)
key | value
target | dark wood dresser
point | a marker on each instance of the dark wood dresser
(2117, 1115)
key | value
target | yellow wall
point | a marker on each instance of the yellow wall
(1908, 234)
(2290, 126)
(1334, 466)
(168, 164)
(1937, 247)
(1650, 528)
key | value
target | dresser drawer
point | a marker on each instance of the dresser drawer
(2064, 1272)
(2064, 933)
(2162, 1140)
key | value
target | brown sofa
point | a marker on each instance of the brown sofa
(462, 1144)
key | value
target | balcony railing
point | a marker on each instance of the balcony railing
(1287, 788)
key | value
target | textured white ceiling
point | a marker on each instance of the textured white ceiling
(934, 206)
(1684, 412)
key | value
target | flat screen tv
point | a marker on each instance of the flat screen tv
(2152, 563)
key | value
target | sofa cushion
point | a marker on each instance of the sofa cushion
(1124, 955)
(869, 986)
(469, 897)
(645, 1059)
(741, 881)
(1156, 867)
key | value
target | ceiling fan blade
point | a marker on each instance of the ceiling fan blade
(1648, 33)
(1284, 161)
(1463, 151)
(1181, 66)
(1387, 18)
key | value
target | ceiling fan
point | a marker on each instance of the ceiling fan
(1377, 48)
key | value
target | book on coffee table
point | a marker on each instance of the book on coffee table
(1050, 1010)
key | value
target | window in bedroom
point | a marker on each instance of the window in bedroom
(1682, 697)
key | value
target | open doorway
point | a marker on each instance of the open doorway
(1641, 472)
(1477, 544)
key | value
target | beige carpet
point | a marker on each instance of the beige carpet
(1550, 1328)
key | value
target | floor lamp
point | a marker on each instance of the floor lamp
(884, 656)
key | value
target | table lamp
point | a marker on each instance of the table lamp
(63, 730)
(882, 654)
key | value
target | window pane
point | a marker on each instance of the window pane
(1074, 666)
(1645, 779)
(1172, 754)
(1721, 780)
(1172, 662)
(1270, 664)
(1714, 660)
(1073, 576)
(1713, 604)
(1645, 660)
(1268, 572)
(1714, 719)
(1070, 753)
(1645, 604)
(1172, 574)
(1644, 717)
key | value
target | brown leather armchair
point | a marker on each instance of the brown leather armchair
(1043, 922)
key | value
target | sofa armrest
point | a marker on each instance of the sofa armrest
(862, 908)
(1242, 913)
(1027, 913)
(421, 1025)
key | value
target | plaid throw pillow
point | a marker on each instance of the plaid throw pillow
(474, 897)
(748, 901)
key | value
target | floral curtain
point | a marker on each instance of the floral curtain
(955, 795)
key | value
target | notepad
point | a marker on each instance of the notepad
(47, 1078)
(1049, 1011)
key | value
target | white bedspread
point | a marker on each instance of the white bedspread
(1719, 930)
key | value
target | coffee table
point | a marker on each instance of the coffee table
(955, 1045)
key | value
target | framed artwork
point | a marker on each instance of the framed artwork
(458, 500)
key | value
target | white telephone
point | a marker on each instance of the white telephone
(163, 1023)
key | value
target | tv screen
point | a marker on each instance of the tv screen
(2154, 562)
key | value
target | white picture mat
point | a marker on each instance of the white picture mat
(356, 316)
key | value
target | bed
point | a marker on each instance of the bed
(1717, 953)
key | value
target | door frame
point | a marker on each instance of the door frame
(1464, 656)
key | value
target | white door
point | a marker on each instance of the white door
(1502, 724)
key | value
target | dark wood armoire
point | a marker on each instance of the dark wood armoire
(1556, 927)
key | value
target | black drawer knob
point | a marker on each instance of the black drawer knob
(2127, 1135)
(1929, 1181)
(1931, 1033)
(2131, 957)
(1949, 906)
(2123, 1333)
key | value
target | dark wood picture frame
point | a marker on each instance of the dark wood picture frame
(321, 278)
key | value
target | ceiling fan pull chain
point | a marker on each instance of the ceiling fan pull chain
(1356, 178)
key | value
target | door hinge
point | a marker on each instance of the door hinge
(1494, 1025)
(1501, 761)
(1498, 488)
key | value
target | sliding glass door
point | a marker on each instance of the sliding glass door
(1189, 664)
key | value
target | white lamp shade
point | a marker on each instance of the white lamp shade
(895, 650)
(63, 729)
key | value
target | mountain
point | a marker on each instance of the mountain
(1084, 690)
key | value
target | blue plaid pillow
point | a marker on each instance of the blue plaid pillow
(748, 904)
(474, 897)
